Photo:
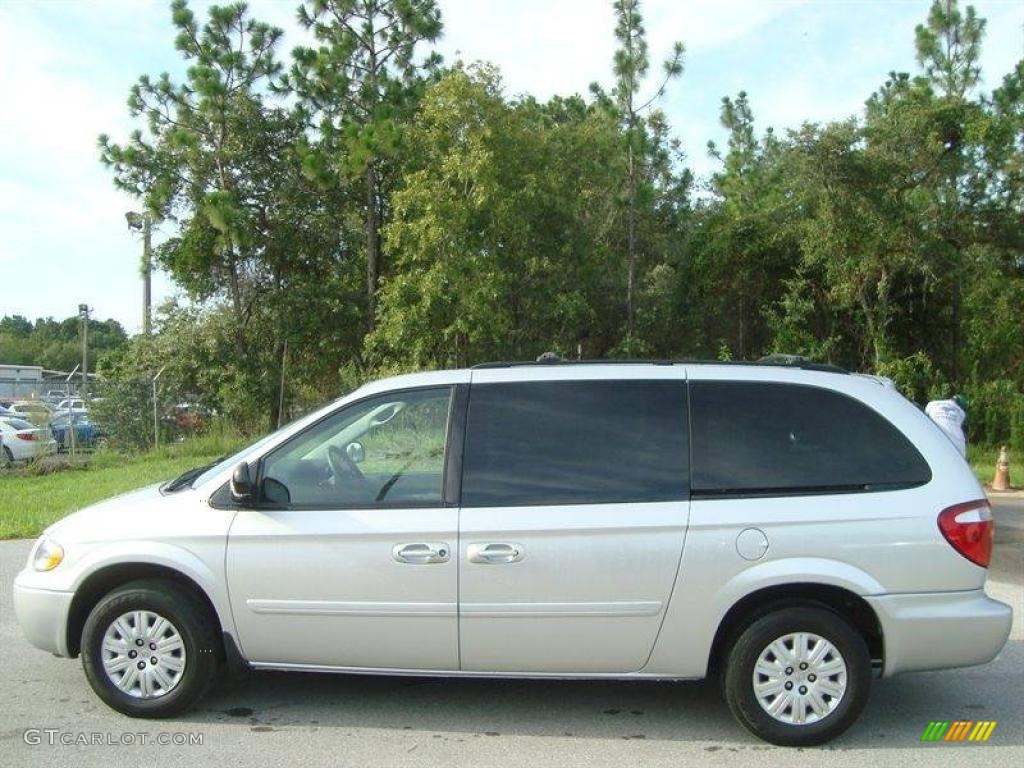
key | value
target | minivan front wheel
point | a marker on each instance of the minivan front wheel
(798, 676)
(150, 649)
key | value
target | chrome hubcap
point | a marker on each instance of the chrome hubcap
(143, 654)
(799, 678)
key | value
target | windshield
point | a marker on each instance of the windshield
(231, 460)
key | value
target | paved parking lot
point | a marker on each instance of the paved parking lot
(279, 719)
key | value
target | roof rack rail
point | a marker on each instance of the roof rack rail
(782, 361)
(559, 361)
(799, 361)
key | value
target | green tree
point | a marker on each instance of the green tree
(221, 164)
(858, 237)
(630, 65)
(16, 325)
(57, 345)
(497, 232)
(948, 47)
(749, 244)
(190, 161)
(359, 84)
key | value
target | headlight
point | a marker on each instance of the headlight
(48, 555)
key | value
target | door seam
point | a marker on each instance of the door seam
(686, 520)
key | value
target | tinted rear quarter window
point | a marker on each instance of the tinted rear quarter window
(578, 442)
(760, 437)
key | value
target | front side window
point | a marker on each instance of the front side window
(386, 450)
(771, 438)
(575, 442)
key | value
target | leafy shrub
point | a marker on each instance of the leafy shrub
(995, 413)
(125, 413)
(916, 377)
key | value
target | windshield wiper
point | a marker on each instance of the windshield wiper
(186, 477)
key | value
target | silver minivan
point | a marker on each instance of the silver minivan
(794, 529)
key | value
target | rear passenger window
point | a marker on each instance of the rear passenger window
(766, 438)
(575, 442)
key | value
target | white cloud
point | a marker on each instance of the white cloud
(58, 210)
(544, 47)
(708, 24)
(547, 47)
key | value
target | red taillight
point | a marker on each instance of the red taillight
(26, 435)
(969, 527)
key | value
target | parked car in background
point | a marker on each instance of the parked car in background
(73, 404)
(188, 417)
(24, 441)
(54, 396)
(87, 434)
(36, 411)
(529, 521)
(66, 413)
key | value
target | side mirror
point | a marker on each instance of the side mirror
(356, 452)
(241, 485)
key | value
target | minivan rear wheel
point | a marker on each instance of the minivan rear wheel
(150, 649)
(798, 676)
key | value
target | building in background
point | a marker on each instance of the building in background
(21, 382)
(33, 382)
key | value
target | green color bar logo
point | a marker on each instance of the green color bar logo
(958, 730)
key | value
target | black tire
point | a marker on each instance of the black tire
(742, 658)
(197, 628)
(8, 461)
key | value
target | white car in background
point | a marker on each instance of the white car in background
(54, 396)
(35, 411)
(24, 441)
(73, 404)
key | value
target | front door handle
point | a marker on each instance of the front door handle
(422, 552)
(497, 552)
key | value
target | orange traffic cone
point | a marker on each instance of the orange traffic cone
(1001, 481)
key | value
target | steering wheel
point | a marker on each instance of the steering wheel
(343, 466)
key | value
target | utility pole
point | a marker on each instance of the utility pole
(156, 416)
(71, 418)
(143, 222)
(83, 313)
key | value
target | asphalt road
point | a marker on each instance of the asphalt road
(301, 719)
(1008, 512)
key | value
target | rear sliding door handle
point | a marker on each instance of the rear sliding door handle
(421, 553)
(495, 553)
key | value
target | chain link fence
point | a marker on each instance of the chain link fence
(138, 414)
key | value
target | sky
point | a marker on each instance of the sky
(66, 67)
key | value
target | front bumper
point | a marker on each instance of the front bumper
(43, 616)
(940, 630)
